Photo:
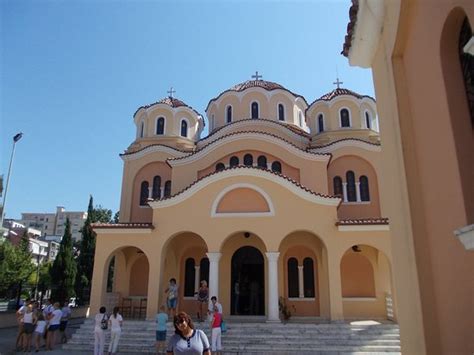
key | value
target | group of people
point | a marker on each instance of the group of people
(37, 323)
(102, 322)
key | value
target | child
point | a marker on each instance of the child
(39, 331)
(216, 343)
(161, 319)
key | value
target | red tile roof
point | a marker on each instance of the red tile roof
(362, 221)
(339, 92)
(350, 28)
(345, 139)
(170, 101)
(122, 225)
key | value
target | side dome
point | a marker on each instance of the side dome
(169, 121)
(343, 113)
(257, 99)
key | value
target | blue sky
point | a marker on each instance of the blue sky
(74, 72)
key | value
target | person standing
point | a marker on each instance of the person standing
(186, 339)
(66, 314)
(54, 320)
(99, 335)
(214, 304)
(202, 298)
(115, 322)
(172, 297)
(19, 317)
(29, 320)
(39, 330)
(216, 334)
(236, 297)
(161, 319)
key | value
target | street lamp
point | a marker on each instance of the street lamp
(16, 138)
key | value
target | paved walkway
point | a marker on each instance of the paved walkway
(8, 337)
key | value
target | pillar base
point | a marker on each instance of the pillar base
(273, 321)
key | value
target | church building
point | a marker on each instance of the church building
(278, 205)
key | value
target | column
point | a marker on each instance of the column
(153, 292)
(335, 289)
(358, 192)
(273, 312)
(99, 280)
(214, 274)
(150, 192)
(344, 191)
(301, 281)
(197, 272)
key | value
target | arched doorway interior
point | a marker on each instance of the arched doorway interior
(248, 282)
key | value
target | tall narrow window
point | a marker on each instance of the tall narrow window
(248, 160)
(255, 112)
(308, 277)
(189, 277)
(234, 161)
(281, 112)
(351, 189)
(345, 120)
(160, 126)
(142, 129)
(229, 114)
(167, 192)
(262, 161)
(220, 167)
(204, 270)
(367, 120)
(276, 167)
(364, 188)
(144, 193)
(156, 193)
(337, 181)
(184, 128)
(293, 281)
(467, 66)
(320, 123)
(300, 118)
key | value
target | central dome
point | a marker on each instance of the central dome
(268, 85)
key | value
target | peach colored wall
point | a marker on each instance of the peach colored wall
(286, 169)
(190, 305)
(139, 277)
(357, 276)
(242, 200)
(147, 173)
(359, 166)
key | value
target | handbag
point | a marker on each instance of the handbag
(223, 327)
(104, 323)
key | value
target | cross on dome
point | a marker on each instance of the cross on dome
(337, 82)
(256, 76)
(171, 92)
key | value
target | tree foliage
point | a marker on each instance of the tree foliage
(63, 272)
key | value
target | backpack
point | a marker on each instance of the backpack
(104, 323)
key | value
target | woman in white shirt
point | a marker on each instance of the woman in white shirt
(99, 334)
(115, 323)
(28, 327)
(53, 327)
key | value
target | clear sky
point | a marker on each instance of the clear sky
(74, 72)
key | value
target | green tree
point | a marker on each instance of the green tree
(99, 214)
(63, 272)
(116, 217)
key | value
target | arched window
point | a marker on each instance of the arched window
(234, 161)
(167, 192)
(255, 110)
(156, 193)
(229, 114)
(293, 282)
(144, 193)
(142, 129)
(160, 126)
(281, 112)
(364, 188)
(262, 161)
(184, 128)
(345, 120)
(300, 118)
(204, 270)
(351, 189)
(467, 66)
(220, 167)
(308, 277)
(189, 277)
(248, 160)
(276, 167)
(367, 120)
(320, 123)
(337, 182)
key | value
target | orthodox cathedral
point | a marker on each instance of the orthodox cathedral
(279, 205)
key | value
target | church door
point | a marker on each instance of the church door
(248, 282)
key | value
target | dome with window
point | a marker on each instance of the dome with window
(257, 99)
(168, 121)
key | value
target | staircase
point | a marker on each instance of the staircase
(261, 338)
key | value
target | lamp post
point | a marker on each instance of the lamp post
(16, 138)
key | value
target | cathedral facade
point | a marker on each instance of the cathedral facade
(278, 205)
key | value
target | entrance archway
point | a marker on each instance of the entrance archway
(247, 282)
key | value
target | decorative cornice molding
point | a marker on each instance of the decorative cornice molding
(347, 142)
(153, 149)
